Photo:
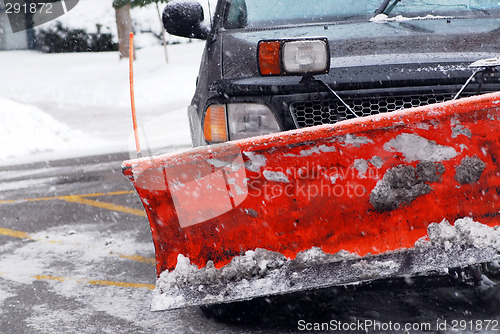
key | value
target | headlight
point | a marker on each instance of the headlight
(308, 56)
(243, 120)
(250, 120)
(294, 57)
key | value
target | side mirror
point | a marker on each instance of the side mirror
(184, 18)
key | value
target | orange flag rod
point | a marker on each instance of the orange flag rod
(132, 98)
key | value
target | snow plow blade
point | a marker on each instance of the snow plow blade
(405, 193)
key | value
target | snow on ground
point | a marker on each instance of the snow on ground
(81, 244)
(56, 282)
(56, 106)
(66, 105)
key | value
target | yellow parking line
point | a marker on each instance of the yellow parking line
(137, 258)
(39, 199)
(82, 199)
(114, 193)
(14, 233)
(104, 205)
(95, 282)
(23, 235)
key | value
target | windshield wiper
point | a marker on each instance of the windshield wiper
(385, 6)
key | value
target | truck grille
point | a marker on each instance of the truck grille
(319, 112)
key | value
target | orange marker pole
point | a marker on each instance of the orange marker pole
(132, 98)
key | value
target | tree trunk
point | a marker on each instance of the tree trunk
(124, 24)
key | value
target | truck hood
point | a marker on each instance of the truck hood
(432, 45)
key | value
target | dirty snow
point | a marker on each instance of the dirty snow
(403, 184)
(259, 262)
(366, 268)
(361, 165)
(377, 161)
(458, 130)
(470, 170)
(253, 272)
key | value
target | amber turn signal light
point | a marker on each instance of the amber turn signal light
(215, 124)
(269, 58)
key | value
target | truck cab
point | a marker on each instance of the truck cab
(271, 66)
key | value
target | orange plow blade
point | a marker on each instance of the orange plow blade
(396, 194)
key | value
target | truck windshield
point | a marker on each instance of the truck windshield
(265, 13)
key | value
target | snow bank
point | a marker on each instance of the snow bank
(101, 80)
(26, 130)
(89, 94)
(86, 15)
(78, 104)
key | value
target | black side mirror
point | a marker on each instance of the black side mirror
(184, 18)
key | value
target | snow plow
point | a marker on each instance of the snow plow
(404, 193)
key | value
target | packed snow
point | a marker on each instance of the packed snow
(315, 150)
(354, 140)
(464, 231)
(255, 162)
(416, 148)
(250, 274)
(276, 176)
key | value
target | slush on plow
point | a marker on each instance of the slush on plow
(411, 192)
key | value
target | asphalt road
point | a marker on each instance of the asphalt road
(76, 253)
(76, 256)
